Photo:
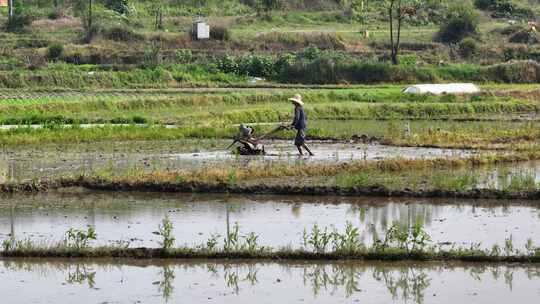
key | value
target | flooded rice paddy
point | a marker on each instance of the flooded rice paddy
(279, 221)
(107, 281)
(49, 161)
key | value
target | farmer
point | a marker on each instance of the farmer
(300, 124)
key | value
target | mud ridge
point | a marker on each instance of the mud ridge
(194, 187)
(186, 253)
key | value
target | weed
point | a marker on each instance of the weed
(212, 242)
(232, 239)
(529, 247)
(165, 230)
(508, 246)
(251, 242)
(413, 238)
(79, 239)
(318, 238)
(495, 250)
(349, 241)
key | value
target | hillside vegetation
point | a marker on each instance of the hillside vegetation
(130, 43)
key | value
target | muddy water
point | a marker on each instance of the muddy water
(279, 221)
(236, 282)
(122, 157)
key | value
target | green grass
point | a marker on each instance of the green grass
(250, 106)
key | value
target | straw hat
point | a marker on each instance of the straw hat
(297, 99)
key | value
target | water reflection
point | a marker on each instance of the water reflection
(399, 282)
(165, 285)
(81, 274)
(405, 283)
(129, 218)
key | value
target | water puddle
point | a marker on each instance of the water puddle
(119, 158)
(130, 218)
(106, 281)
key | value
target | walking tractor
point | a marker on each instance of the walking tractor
(249, 143)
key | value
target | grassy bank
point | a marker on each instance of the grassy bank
(315, 72)
(438, 178)
(362, 103)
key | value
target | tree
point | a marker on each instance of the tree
(17, 19)
(157, 9)
(90, 18)
(358, 9)
(10, 10)
(85, 9)
(397, 11)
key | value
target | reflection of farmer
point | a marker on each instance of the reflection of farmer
(300, 124)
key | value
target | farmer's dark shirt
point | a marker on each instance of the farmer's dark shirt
(300, 119)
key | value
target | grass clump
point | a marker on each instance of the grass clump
(220, 33)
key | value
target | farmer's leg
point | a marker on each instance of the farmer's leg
(300, 150)
(299, 141)
(307, 149)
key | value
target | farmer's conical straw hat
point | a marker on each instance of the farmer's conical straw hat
(297, 99)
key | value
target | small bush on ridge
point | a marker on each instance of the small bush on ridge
(55, 51)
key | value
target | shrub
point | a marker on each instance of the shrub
(461, 21)
(228, 64)
(511, 29)
(56, 14)
(119, 6)
(119, 33)
(33, 41)
(320, 40)
(18, 22)
(55, 51)
(524, 36)
(514, 72)
(483, 4)
(220, 33)
(183, 56)
(504, 9)
(257, 65)
(515, 52)
(251, 65)
(468, 47)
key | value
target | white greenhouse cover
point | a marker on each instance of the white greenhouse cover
(447, 88)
